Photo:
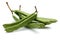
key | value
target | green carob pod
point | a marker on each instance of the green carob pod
(33, 24)
(21, 23)
(46, 21)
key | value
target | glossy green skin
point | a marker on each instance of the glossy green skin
(33, 24)
(39, 19)
(20, 23)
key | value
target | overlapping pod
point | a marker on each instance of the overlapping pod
(27, 20)
(39, 19)
(33, 24)
(21, 23)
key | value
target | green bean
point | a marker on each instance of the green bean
(7, 25)
(42, 20)
(30, 21)
(47, 19)
(21, 23)
(33, 24)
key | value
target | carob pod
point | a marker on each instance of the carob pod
(42, 20)
(21, 23)
(47, 19)
(18, 12)
(11, 24)
(16, 19)
(33, 24)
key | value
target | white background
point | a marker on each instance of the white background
(46, 8)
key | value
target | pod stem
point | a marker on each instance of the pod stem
(19, 7)
(36, 9)
(9, 7)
